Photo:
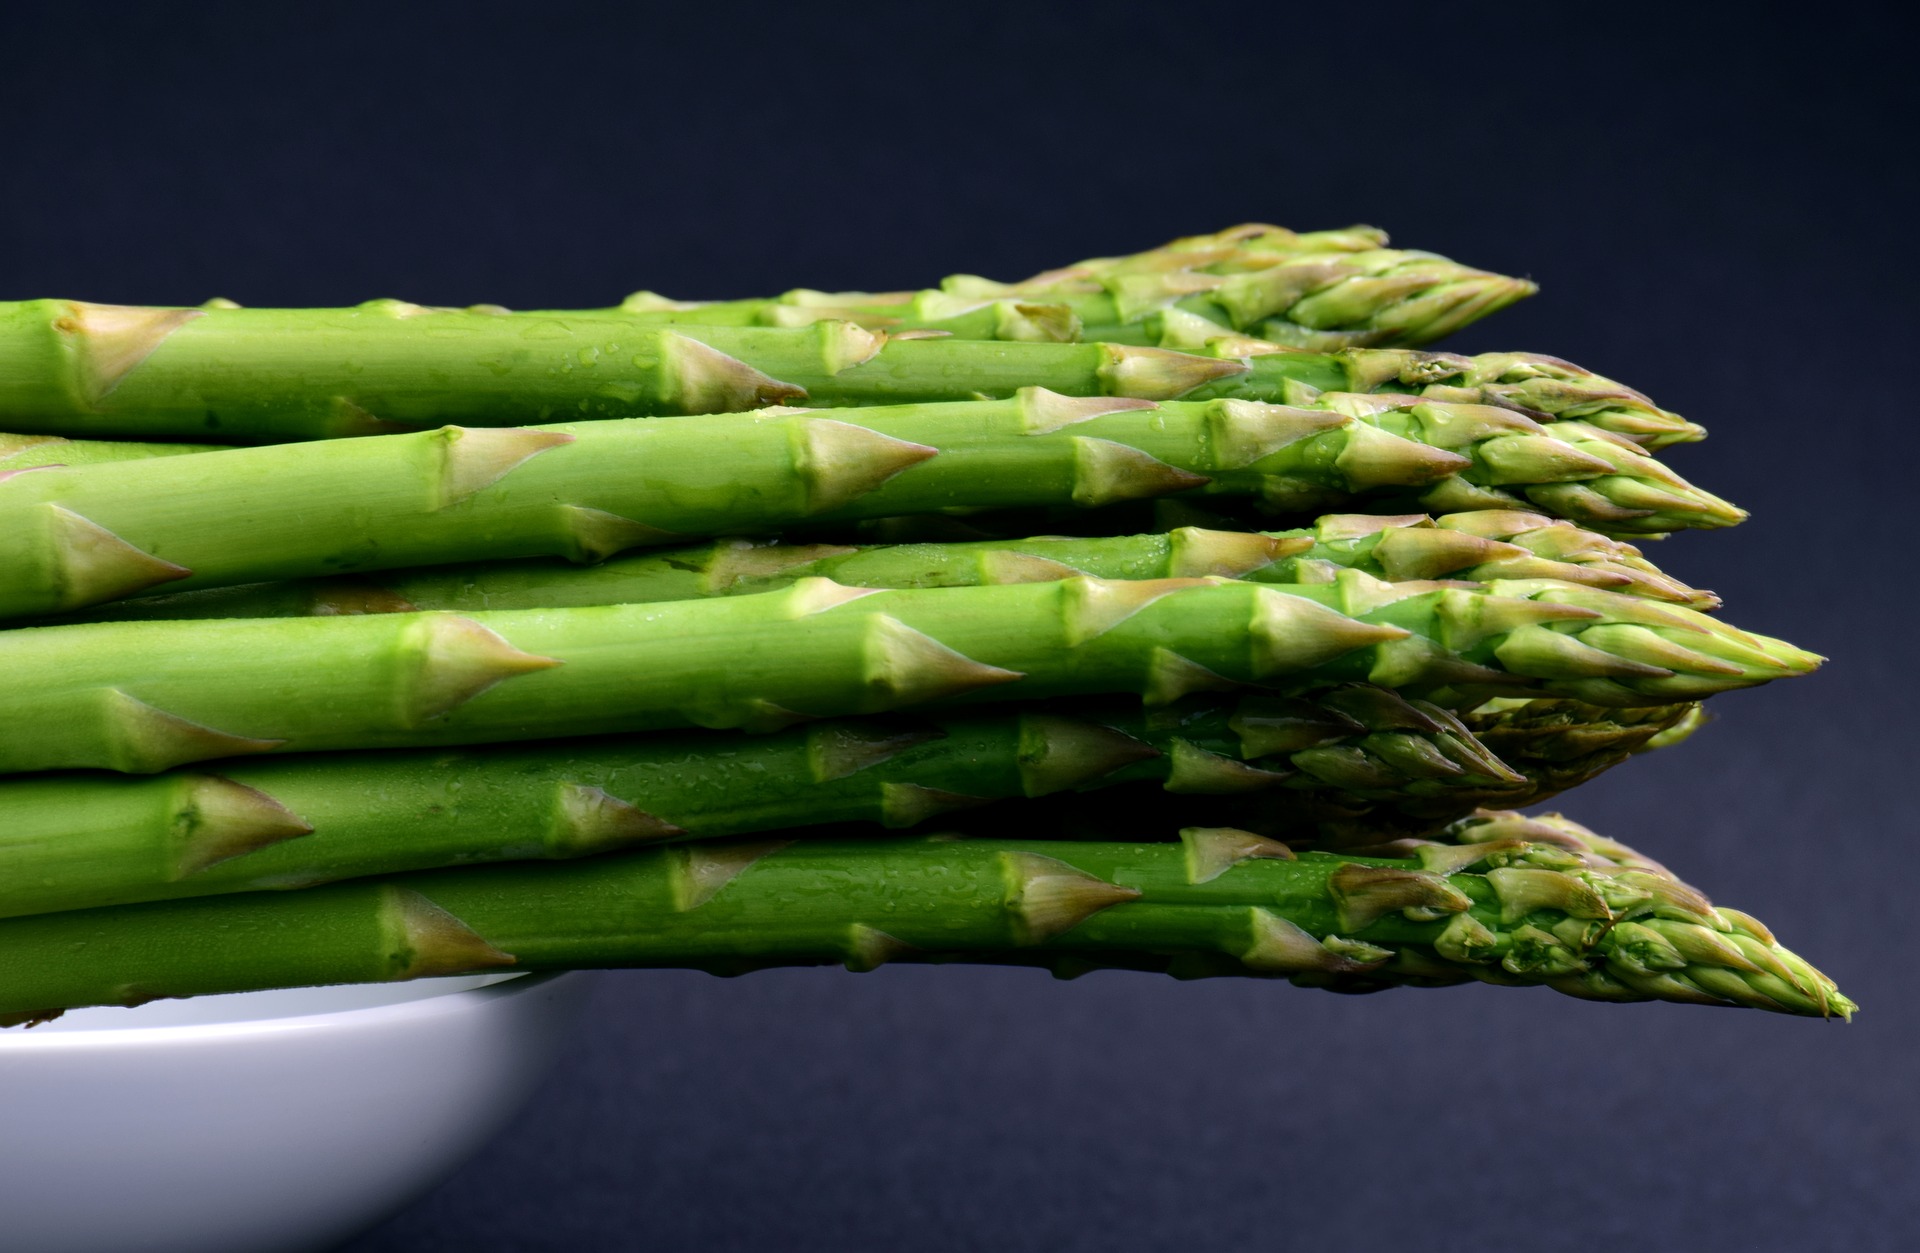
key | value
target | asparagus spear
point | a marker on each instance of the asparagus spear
(271, 375)
(1314, 298)
(1252, 245)
(80, 841)
(1010, 312)
(1359, 802)
(1219, 902)
(145, 696)
(1324, 289)
(72, 538)
(1547, 388)
(1458, 546)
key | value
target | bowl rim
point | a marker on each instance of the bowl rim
(240, 1015)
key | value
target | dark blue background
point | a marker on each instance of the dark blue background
(1721, 213)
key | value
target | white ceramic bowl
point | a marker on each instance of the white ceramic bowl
(271, 1122)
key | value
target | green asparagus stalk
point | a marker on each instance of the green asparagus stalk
(1215, 512)
(1011, 312)
(145, 696)
(1347, 288)
(272, 375)
(1253, 245)
(1349, 798)
(78, 537)
(1457, 547)
(1218, 902)
(1304, 296)
(81, 841)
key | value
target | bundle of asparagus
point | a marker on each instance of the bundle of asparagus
(608, 668)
